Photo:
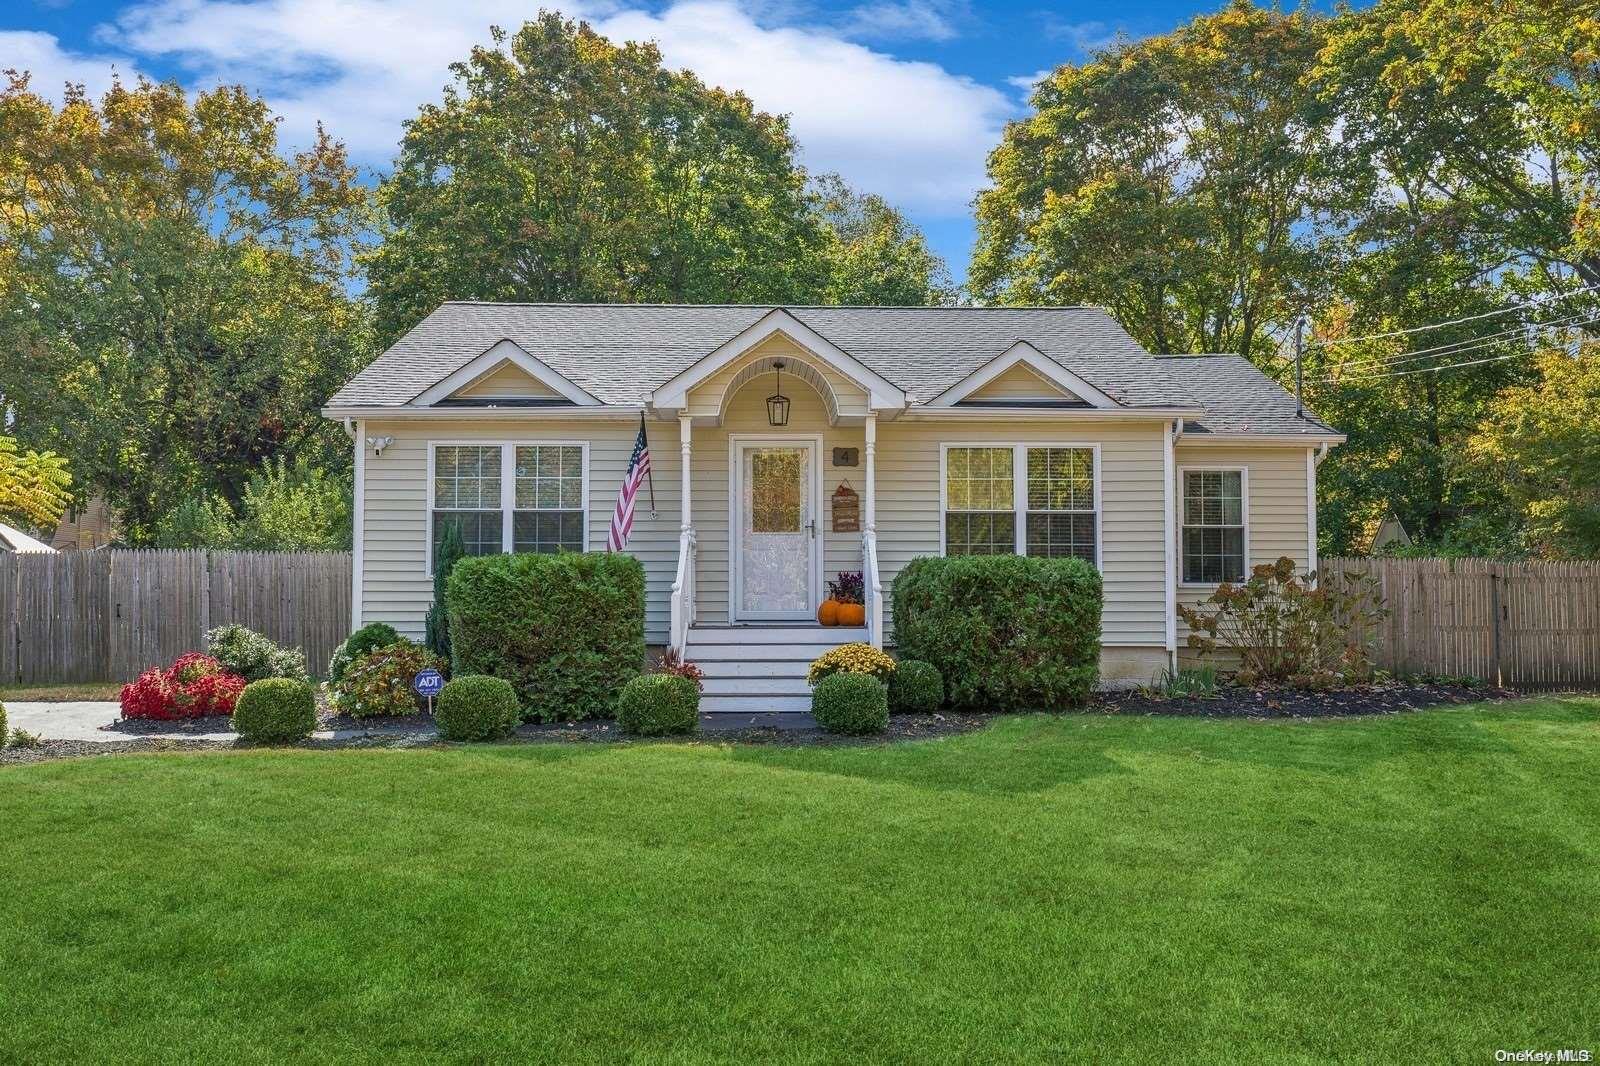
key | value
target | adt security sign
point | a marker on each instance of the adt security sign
(427, 684)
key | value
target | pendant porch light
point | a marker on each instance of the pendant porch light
(778, 403)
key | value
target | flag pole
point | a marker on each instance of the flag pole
(651, 471)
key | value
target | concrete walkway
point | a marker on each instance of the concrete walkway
(88, 721)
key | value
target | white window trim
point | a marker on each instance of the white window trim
(508, 487)
(1019, 489)
(1244, 505)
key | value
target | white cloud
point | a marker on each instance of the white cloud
(1085, 37)
(1027, 82)
(913, 19)
(52, 67)
(911, 131)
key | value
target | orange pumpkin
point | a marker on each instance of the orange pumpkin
(828, 613)
(852, 614)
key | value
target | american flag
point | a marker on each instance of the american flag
(638, 470)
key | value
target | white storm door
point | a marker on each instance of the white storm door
(775, 551)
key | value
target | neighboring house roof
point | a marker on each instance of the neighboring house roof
(1237, 396)
(15, 540)
(622, 353)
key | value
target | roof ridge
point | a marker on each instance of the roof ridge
(778, 306)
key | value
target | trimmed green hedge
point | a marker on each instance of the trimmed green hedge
(276, 709)
(658, 705)
(370, 637)
(566, 630)
(1008, 632)
(476, 707)
(852, 704)
(916, 687)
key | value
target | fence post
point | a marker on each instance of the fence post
(1494, 626)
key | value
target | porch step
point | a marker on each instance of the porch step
(760, 669)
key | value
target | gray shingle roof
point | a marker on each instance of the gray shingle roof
(620, 353)
(1237, 396)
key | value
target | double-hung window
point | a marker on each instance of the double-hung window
(517, 497)
(1213, 526)
(1021, 499)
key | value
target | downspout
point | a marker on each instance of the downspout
(1170, 432)
(357, 521)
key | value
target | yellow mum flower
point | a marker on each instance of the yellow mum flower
(854, 658)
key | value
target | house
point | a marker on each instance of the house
(15, 540)
(791, 443)
(85, 527)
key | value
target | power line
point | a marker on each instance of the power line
(1468, 344)
(1362, 379)
(1537, 301)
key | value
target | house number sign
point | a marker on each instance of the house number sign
(846, 509)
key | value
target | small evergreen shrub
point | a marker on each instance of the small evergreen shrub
(378, 684)
(852, 704)
(436, 625)
(567, 630)
(853, 658)
(1006, 632)
(276, 710)
(476, 707)
(252, 656)
(658, 705)
(3, 733)
(916, 688)
(370, 637)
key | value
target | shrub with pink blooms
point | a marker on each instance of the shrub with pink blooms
(193, 687)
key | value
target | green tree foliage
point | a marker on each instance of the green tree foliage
(33, 486)
(1540, 448)
(283, 508)
(559, 166)
(436, 625)
(873, 255)
(172, 296)
(1170, 180)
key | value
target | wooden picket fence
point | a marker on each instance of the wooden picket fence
(1525, 625)
(106, 615)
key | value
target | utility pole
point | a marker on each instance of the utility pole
(1299, 376)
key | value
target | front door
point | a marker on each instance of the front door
(776, 548)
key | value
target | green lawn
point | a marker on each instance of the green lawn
(1423, 887)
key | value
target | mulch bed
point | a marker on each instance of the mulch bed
(215, 723)
(1238, 702)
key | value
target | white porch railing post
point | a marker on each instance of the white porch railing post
(869, 540)
(683, 591)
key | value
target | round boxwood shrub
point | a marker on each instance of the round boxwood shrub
(275, 709)
(916, 688)
(476, 707)
(658, 705)
(370, 637)
(853, 704)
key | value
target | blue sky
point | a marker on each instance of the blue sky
(902, 97)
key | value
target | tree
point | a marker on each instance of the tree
(1540, 448)
(436, 625)
(874, 256)
(283, 508)
(1492, 106)
(562, 167)
(172, 290)
(33, 486)
(1172, 180)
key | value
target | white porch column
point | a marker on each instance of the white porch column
(871, 522)
(684, 425)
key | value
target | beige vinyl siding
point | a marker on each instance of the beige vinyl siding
(747, 415)
(396, 587)
(507, 380)
(705, 400)
(1021, 383)
(1132, 558)
(1278, 520)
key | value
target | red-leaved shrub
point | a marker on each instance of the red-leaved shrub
(195, 686)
